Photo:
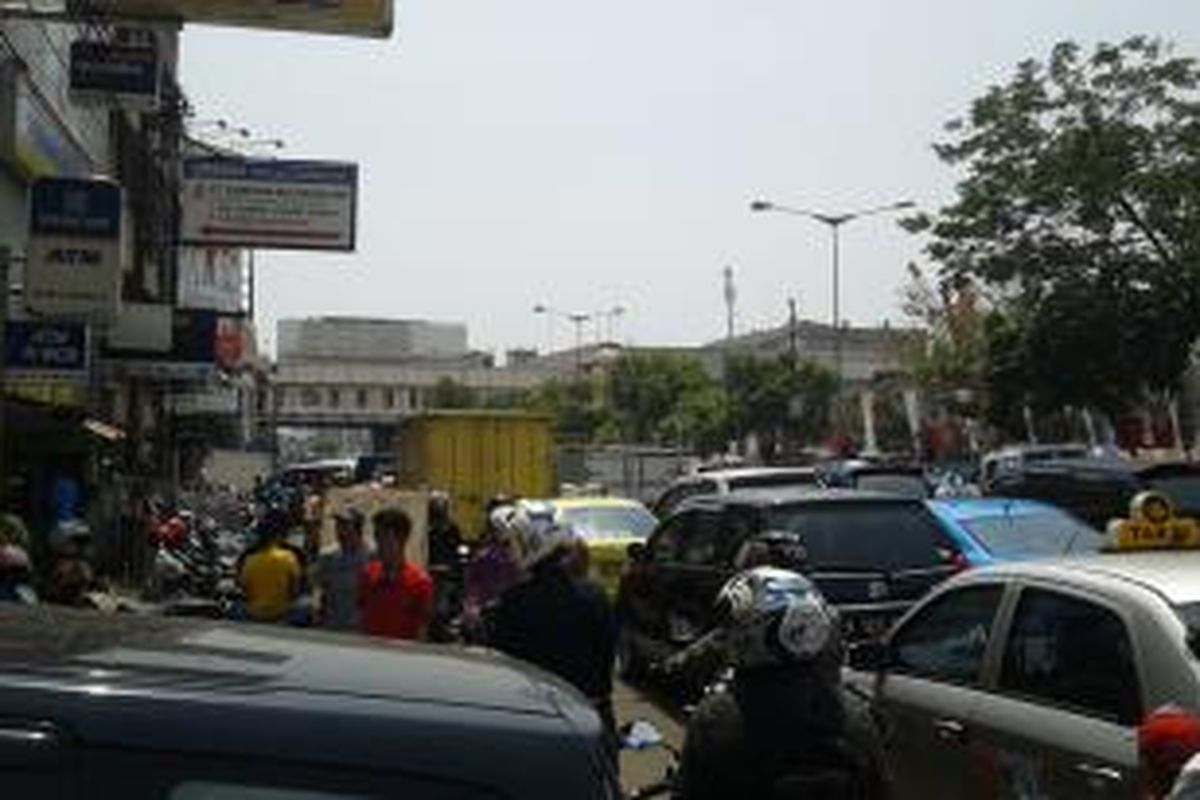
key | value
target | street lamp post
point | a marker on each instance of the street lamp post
(834, 223)
(575, 318)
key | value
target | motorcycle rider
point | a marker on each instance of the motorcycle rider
(557, 620)
(783, 726)
(445, 565)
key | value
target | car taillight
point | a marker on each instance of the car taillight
(1167, 738)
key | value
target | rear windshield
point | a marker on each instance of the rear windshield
(773, 479)
(610, 522)
(1034, 535)
(887, 536)
(1184, 490)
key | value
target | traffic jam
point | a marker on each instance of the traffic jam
(799, 632)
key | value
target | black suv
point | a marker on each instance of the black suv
(149, 708)
(872, 555)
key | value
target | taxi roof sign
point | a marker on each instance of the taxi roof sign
(1153, 525)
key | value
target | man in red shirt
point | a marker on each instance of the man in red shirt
(395, 596)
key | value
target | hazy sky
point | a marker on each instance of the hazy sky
(587, 153)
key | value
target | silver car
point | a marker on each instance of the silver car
(1029, 680)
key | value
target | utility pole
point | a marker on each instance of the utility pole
(793, 332)
(730, 302)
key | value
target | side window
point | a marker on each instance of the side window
(947, 640)
(664, 545)
(702, 539)
(1071, 652)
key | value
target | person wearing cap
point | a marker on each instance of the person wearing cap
(556, 619)
(271, 576)
(338, 572)
(395, 596)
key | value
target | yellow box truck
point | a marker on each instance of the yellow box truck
(475, 455)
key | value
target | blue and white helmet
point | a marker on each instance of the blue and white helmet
(775, 616)
(538, 534)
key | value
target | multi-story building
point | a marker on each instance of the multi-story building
(367, 340)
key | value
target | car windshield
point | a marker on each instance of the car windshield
(1047, 532)
(610, 522)
(773, 479)
(884, 536)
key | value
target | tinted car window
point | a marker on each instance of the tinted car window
(664, 545)
(232, 791)
(773, 479)
(946, 640)
(888, 536)
(702, 541)
(676, 495)
(1070, 652)
(1042, 533)
(1184, 490)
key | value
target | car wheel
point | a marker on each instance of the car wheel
(631, 665)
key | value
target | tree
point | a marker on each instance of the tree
(784, 404)
(1078, 215)
(665, 398)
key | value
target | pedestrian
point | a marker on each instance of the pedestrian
(271, 575)
(1168, 741)
(338, 573)
(492, 570)
(395, 596)
(445, 565)
(558, 620)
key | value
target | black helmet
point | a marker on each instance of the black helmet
(782, 549)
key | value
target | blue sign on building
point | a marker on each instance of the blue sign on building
(75, 207)
(45, 347)
(109, 68)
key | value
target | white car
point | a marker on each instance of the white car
(1030, 679)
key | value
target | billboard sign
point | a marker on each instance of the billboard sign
(212, 278)
(74, 252)
(372, 18)
(123, 72)
(45, 349)
(267, 203)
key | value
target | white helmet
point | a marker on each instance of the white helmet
(775, 616)
(538, 536)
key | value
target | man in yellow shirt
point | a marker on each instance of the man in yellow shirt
(270, 575)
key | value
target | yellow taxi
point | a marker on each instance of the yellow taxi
(608, 526)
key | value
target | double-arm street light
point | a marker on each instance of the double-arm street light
(835, 223)
(578, 320)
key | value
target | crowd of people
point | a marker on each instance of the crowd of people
(523, 589)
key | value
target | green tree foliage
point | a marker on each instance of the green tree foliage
(782, 402)
(1078, 215)
(579, 415)
(664, 398)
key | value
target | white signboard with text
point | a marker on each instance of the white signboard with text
(212, 278)
(267, 203)
(74, 249)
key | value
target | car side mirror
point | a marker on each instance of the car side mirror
(636, 552)
(868, 656)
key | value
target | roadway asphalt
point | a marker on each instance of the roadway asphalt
(645, 767)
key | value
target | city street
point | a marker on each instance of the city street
(645, 767)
